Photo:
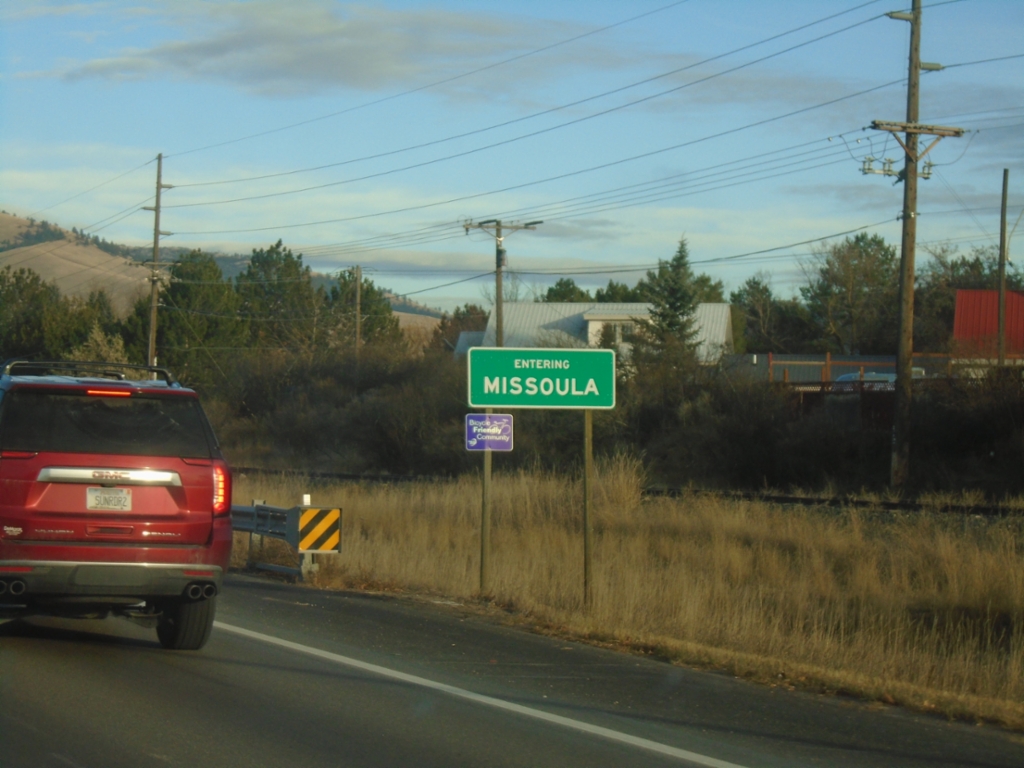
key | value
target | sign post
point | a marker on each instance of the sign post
(487, 432)
(574, 379)
(485, 523)
(588, 528)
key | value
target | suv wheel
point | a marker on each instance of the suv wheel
(186, 626)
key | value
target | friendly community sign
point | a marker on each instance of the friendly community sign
(489, 432)
(504, 377)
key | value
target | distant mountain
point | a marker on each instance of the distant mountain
(77, 267)
(79, 263)
(401, 304)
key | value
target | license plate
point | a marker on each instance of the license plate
(109, 499)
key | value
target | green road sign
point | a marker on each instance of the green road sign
(504, 377)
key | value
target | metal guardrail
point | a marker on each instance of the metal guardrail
(838, 502)
(990, 510)
(353, 476)
(262, 519)
(309, 530)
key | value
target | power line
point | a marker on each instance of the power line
(959, 200)
(531, 134)
(615, 269)
(691, 180)
(604, 269)
(748, 257)
(557, 177)
(117, 217)
(373, 239)
(589, 209)
(36, 254)
(609, 269)
(531, 212)
(984, 61)
(675, 194)
(981, 112)
(577, 172)
(92, 189)
(718, 259)
(440, 234)
(434, 84)
(95, 270)
(557, 211)
(203, 348)
(1001, 127)
(290, 318)
(560, 107)
(298, 318)
(444, 285)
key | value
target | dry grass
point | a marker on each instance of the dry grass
(919, 609)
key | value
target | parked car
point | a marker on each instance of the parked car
(869, 382)
(114, 498)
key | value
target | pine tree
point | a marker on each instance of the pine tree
(673, 293)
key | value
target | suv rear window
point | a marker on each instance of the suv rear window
(62, 422)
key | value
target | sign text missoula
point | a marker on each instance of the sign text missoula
(503, 377)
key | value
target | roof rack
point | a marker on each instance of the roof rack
(118, 371)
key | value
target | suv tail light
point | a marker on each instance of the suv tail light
(221, 489)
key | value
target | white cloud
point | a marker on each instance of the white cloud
(581, 229)
(306, 46)
(23, 10)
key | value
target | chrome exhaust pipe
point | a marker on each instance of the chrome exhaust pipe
(3, 587)
(17, 587)
(209, 590)
(194, 591)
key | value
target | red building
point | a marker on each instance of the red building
(976, 323)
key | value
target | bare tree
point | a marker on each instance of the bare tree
(851, 294)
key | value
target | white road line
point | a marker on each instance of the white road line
(490, 701)
(66, 760)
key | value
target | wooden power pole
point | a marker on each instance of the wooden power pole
(359, 310)
(900, 466)
(1002, 271)
(499, 231)
(493, 226)
(154, 277)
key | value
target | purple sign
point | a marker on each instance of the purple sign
(488, 432)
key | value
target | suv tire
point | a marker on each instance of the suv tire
(186, 626)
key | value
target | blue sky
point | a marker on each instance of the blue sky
(621, 125)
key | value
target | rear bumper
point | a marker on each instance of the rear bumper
(59, 579)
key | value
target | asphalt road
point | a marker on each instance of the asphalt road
(296, 677)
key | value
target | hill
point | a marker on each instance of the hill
(79, 265)
(12, 228)
(77, 269)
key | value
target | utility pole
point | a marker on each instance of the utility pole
(154, 277)
(494, 227)
(1002, 271)
(500, 260)
(900, 466)
(359, 311)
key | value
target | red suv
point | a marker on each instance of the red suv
(114, 498)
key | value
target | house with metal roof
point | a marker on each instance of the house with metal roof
(467, 340)
(581, 324)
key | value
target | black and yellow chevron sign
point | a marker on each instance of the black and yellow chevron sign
(320, 530)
